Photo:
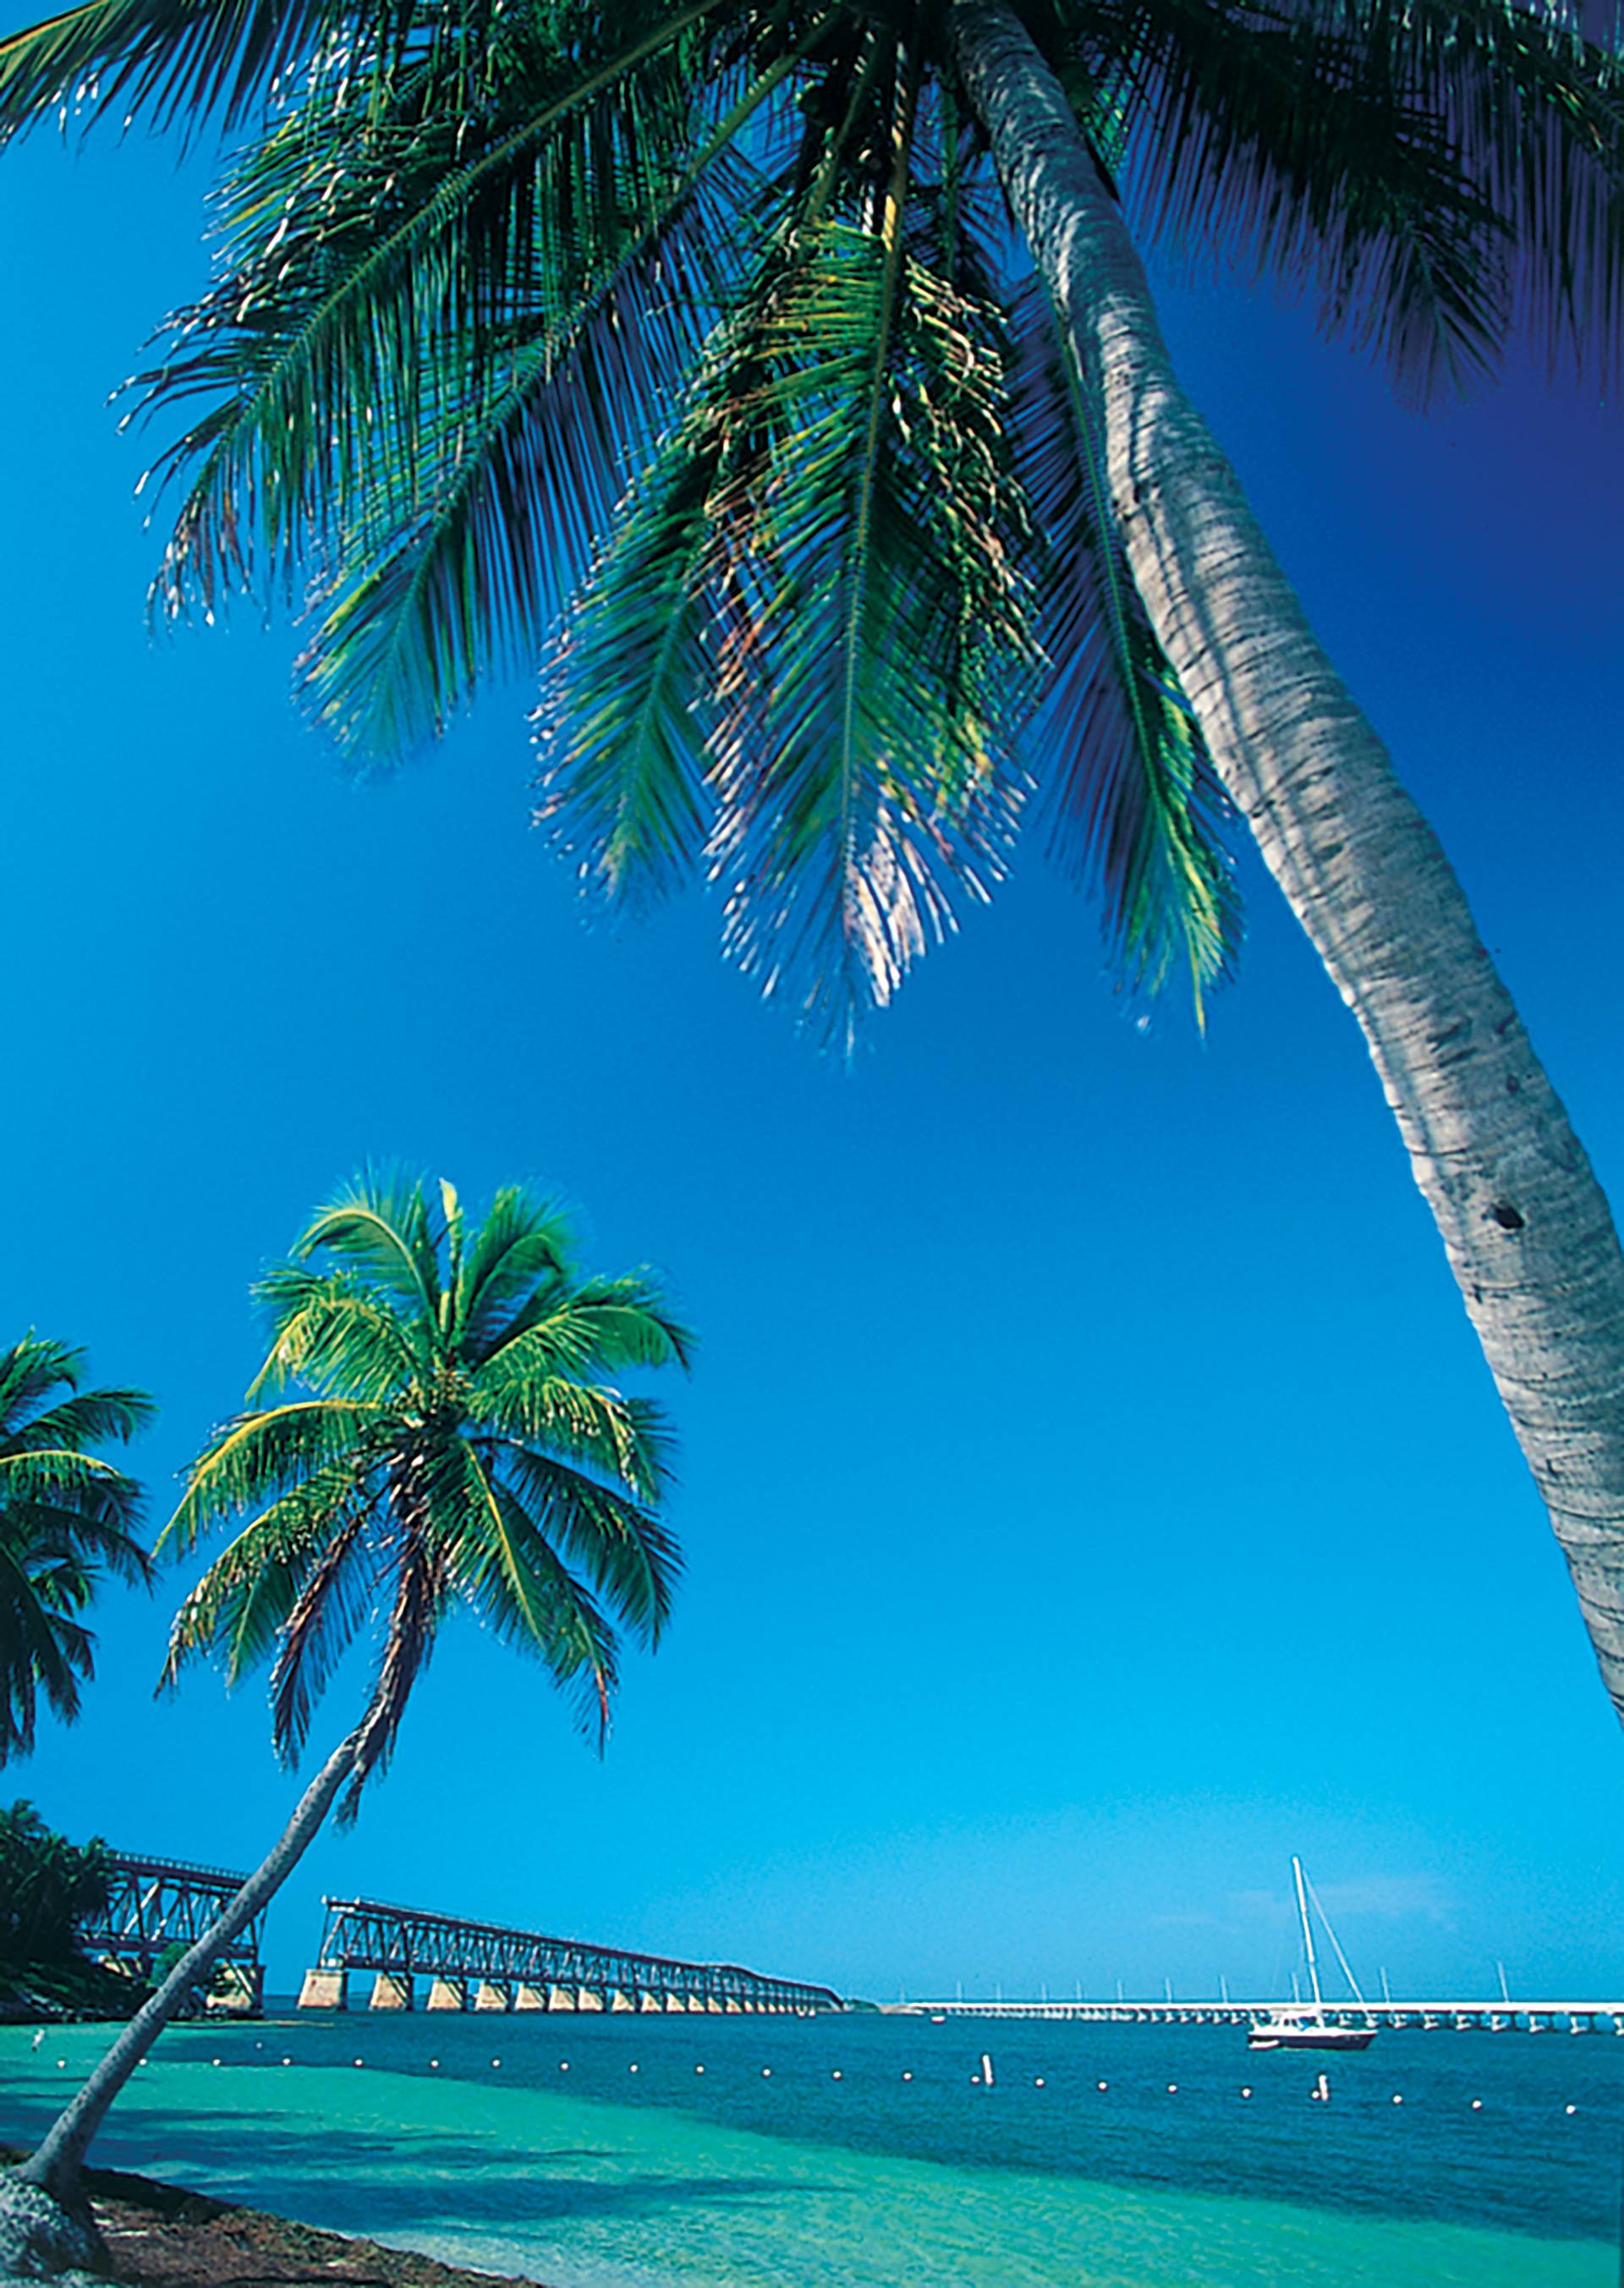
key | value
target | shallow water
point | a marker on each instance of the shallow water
(562, 2162)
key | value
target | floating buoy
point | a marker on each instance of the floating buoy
(434, 2062)
(495, 2062)
(1477, 2105)
(60, 2063)
(1322, 2090)
(287, 2061)
(631, 2069)
(1246, 2089)
(907, 2077)
(1102, 2084)
(563, 2065)
(1571, 2109)
(986, 2068)
(767, 2073)
(1397, 2099)
(358, 2062)
(215, 2061)
(837, 2075)
(1038, 2083)
(975, 2081)
(698, 2068)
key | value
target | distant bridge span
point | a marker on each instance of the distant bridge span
(489, 1966)
(1506, 2015)
(156, 1904)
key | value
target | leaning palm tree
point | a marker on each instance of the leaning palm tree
(66, 1517)
(433, 1427)
(794, 365)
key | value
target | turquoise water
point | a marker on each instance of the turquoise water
(766, 2171)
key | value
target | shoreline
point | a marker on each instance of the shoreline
(160, 2236)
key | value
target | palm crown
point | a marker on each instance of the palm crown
(698, 332)
(66, 1515)
(457, 1441)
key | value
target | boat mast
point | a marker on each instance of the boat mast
(1308, 1936)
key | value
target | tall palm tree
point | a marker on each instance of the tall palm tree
(454, 1441)
(66, 1516)
(793, 360)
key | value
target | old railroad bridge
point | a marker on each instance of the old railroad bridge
(486, 1966)
(155, 1905)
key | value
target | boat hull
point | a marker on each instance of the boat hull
(1310, 2037)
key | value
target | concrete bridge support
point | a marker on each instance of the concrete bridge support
(392, 1990)
(620, 2000)
(650, 2002)
(529, 1997)
(560, 1998)
(447, 1994)
(675, 2005)
(489, 1996)
(238, 1990)
(325, 1990)
(591, 1999)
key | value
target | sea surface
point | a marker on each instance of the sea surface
(860, 2151)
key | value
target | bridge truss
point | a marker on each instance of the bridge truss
(155, 1904)
(487, 1966)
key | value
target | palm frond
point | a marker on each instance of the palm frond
(522, 1245)
(627, 1442)
(331, 1331)
(261, 1454)
(383, 1226)
(1134, 805)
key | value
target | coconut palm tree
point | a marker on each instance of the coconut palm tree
(433, 1427)
(66, 1517)
(795, 362)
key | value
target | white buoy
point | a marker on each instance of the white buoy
(495, 2062)
(563, 2065)
(1322, 2090)
(1246, 2089)
(767, 2073)
(986, 2068)
(1038, 2083)
(975, 2081)
(1477, 2105)
(433, 2064)
(1572, 2109)
(631, 2069)
(698, 2068)
(358, 2062)
(214, 2061)
(907, 2077)
(1397, 2099)
(1102, 2084)
(287, 2061)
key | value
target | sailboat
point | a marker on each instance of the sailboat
(1305, 2026)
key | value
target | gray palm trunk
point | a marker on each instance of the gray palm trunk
(55, 2165)
(1527, 1227)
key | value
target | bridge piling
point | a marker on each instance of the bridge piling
(325, 1990)
(447, 1994)
(392, 1990)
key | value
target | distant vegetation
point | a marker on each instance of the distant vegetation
(47, 1885)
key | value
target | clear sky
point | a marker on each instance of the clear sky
(1092, 1490)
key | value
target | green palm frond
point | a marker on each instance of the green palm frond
(1286, 141)
(242, 1601)
(523, 1247)
(1133, 804)
(626, 1439)
(330, 1330)
(66, 1517)
(259, 1455)
(616, 1540)
(384, 1227)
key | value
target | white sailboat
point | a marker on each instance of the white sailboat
(1305, 2026)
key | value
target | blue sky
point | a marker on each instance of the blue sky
(1091, 1486)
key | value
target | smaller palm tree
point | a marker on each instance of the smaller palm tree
(66, 1518)
(439, 1429)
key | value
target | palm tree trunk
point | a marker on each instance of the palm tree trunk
(1527, 1225)
(54, 2166)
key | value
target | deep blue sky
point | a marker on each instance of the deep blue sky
(1092, 1490)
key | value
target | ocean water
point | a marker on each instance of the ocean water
(739, 2153)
